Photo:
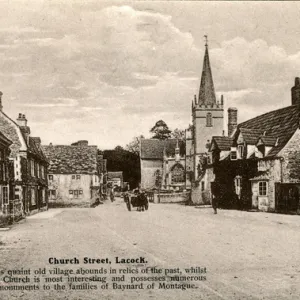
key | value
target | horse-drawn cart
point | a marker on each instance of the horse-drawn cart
(138, 199)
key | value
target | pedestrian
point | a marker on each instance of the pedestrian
(214, 204)
(112, 197)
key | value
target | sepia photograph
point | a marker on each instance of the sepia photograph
(149, 150)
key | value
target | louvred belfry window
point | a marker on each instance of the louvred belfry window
(178, 174)
(209, 120)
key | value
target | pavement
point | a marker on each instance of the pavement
(247, 255)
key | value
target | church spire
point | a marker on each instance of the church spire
(207, 90)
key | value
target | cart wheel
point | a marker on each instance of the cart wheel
(128, 205)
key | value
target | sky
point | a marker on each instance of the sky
(107, 71)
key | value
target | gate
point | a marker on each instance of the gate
(287, 197)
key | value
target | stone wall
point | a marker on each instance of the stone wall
(201, 190)
(148, 169)
(171, 197)
(291, 162)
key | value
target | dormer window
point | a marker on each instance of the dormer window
(209, 120)
(241, 151)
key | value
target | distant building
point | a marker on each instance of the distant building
(29, 164)
(162, 164)
(115, 180)
(73, 172)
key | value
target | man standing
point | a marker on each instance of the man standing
(214, 204)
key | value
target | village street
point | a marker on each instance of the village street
(247, 255)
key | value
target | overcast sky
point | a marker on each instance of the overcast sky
(107, 71)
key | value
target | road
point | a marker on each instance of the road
(247, 255)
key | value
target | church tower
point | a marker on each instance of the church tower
(207, 114)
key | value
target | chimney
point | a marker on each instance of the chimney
(232, 120)
(296, 92)
(22, 121)
(1, 106)
(222, 100)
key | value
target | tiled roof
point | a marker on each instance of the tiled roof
(65, 159)
(111, 175)
(250, 136)
(154, 148)
(222, 142)
(281, 123)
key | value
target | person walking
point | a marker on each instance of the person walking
(214, 204)
(112, 196)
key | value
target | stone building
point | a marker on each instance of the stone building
(115, 180)
(73, 173)
(262, 158)
(162, 164)
(29, 163)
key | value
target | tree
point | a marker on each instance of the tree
(123, 160)
(161, 130)
(134, 145)
(178, 134)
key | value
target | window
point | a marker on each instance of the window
(262, 188)
(74, 177)
(32, 167)
(202, 186)
(238, 184)
(233, 155)
(75, 194)
(50, 177)
(80, 192)
(5, 195)
(209, 120)
(178, 174)
(77, 177)
(241, 151)
(70, 192)
(33, 197)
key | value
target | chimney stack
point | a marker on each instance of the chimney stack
(296, 92)
(22, 121)
(232, 120)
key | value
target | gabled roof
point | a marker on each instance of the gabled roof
(250, 136)
(65, 159)
(280, 123)
(223, 143)
(207, 90)
(154, 148)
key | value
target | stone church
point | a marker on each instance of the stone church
(207, 121)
